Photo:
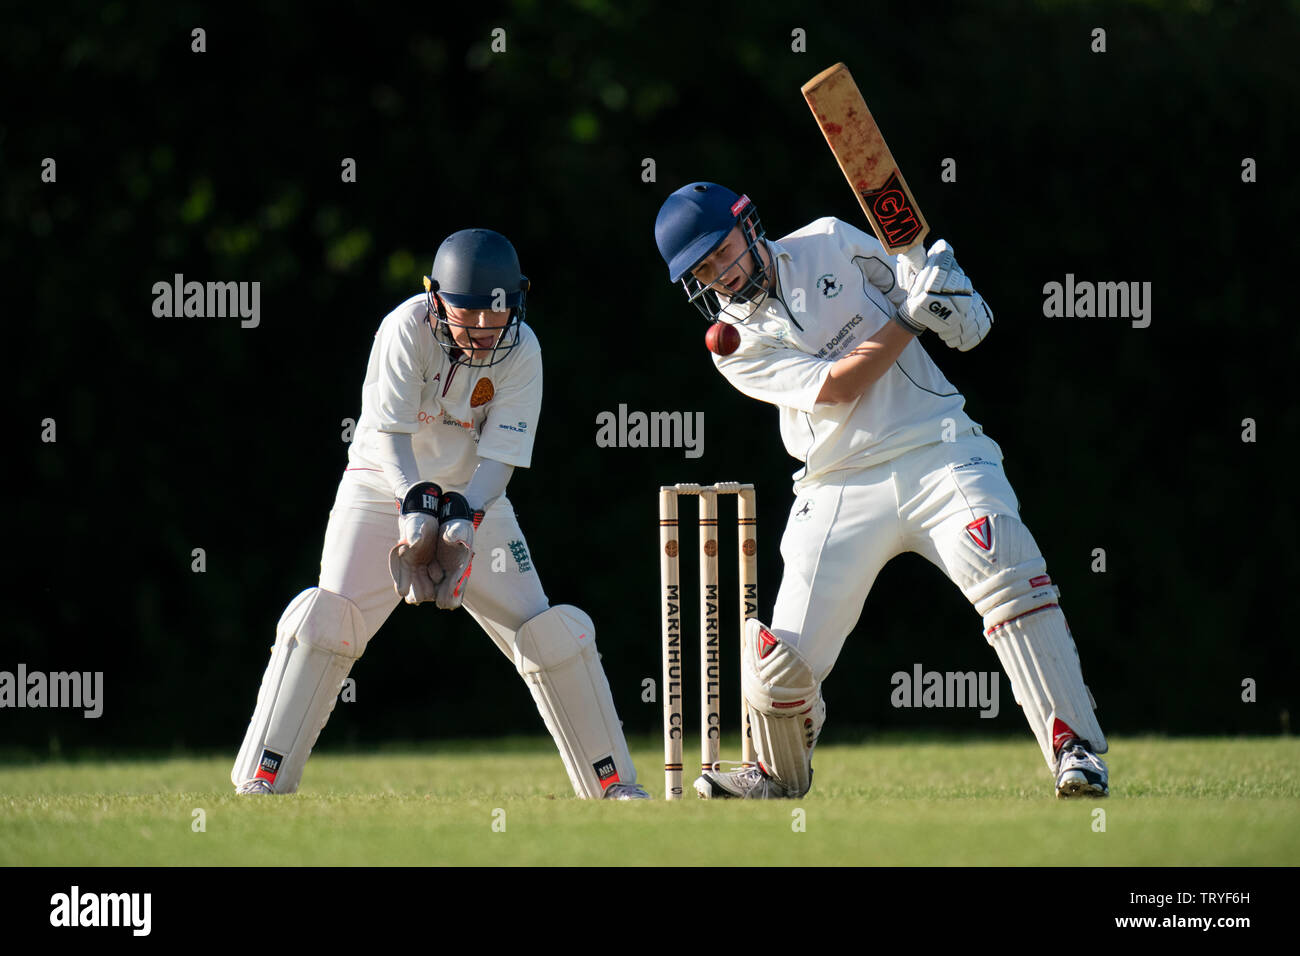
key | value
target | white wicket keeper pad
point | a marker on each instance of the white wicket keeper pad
(319, 637)
(997, 564)
(555, 653)
(786, 708)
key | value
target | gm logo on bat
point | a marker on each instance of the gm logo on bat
(893, 211)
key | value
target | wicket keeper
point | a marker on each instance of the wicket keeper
(449, 409)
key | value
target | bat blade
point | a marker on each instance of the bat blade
(859, 148)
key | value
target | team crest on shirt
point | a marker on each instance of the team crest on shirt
(482, 394)
(829, 285)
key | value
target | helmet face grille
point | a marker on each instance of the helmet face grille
(754, 289)
(476, 269)
(478, 358)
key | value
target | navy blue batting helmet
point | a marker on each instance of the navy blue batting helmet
(691, 224)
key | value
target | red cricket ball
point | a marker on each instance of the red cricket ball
(722, 339)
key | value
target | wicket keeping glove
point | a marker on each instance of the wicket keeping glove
(413, 562)
(455, 551)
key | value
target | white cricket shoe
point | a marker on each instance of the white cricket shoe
(625, 791)
(751, 783)
(256, 785)
(1080, 772)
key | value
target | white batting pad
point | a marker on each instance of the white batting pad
(555, 653)
(319, 637)
(997, 564)
(786, 709)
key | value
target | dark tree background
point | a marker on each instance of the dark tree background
(175, 434)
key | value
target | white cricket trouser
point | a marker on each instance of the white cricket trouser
(363, 528)
(843, 530)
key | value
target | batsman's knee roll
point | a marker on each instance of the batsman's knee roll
(786, 707)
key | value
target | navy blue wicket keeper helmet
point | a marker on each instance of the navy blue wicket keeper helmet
(691, 224)
(476, 269)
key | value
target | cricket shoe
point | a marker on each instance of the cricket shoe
(625, 791)
(1080, 773)
(256, 785)
(750, 783)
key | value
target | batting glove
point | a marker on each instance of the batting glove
(940, 297)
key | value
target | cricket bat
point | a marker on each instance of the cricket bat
(860, 149)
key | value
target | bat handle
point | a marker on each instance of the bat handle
(916, 255)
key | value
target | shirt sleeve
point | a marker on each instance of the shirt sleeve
(396, 456)
(778, 376)
(488, 483)
(876, 265)
(511, 424)
(402, 363)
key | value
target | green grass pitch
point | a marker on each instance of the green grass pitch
(886, 801)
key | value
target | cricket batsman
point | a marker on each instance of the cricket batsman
(449, 409)
(825, 325)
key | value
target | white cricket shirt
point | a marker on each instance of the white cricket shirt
(785, 356)
(454, 413)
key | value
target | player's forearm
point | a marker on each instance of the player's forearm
(854, 373)
(397, 458)
(487, 484)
